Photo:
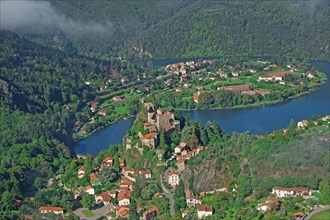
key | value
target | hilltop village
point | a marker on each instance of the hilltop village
(145, 178)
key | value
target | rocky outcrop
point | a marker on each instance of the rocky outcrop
(208, 178)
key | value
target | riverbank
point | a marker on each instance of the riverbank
(263, 103)
(240, 107)
(257, 118)
(75, 140)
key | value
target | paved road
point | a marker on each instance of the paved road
(168, 195)
(315, 211)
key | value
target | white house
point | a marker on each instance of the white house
(180, 147)
(302, 124)
(262, 207)
(191, 199)
(173, 178)
(127, 170)
(81, 172)
(146, 173)
(103, 197)
(90, 190)
(204, 211)
(113, 193)
(51, 209)
(289, 192)
(108, 161)
(123, 199)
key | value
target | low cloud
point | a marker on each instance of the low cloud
(32, 16)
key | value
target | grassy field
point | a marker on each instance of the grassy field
(120, 109)
(87, 213)
(324, 215)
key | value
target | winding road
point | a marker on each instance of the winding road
(168, 195)
(315, 211)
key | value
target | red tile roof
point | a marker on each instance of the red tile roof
(107, 159)
(128, 169)
(121, 161)
(122, 210)
(171, 173)
(144, 172)
(189, 194)
(50, 208)
(93, 176)
(112, 192)
(298, 214)
(276, 74)
(149, 136)
(89, 187)
(297, 189)
(123, 195)
(152, 210)
(106, 198)
(204, 208)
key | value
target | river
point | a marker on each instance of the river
(256, 120)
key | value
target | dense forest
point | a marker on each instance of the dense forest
(35, 83)
(158, 29)
(213, 28)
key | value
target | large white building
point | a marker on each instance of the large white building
(51, 209)
(289, 192)
(277, 76)
(173, 178)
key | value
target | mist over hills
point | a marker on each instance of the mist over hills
(160, 29)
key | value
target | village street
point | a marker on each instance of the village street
(168, 195)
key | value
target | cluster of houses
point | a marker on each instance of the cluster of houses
(194, 201)
(125, 186)
(182, 67)
(304, 123)
(182, 153)
(282, 192)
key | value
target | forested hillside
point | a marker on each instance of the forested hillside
(213, 28)
(205, 28)
(35, 83)
(181, 28)
(120, 21)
